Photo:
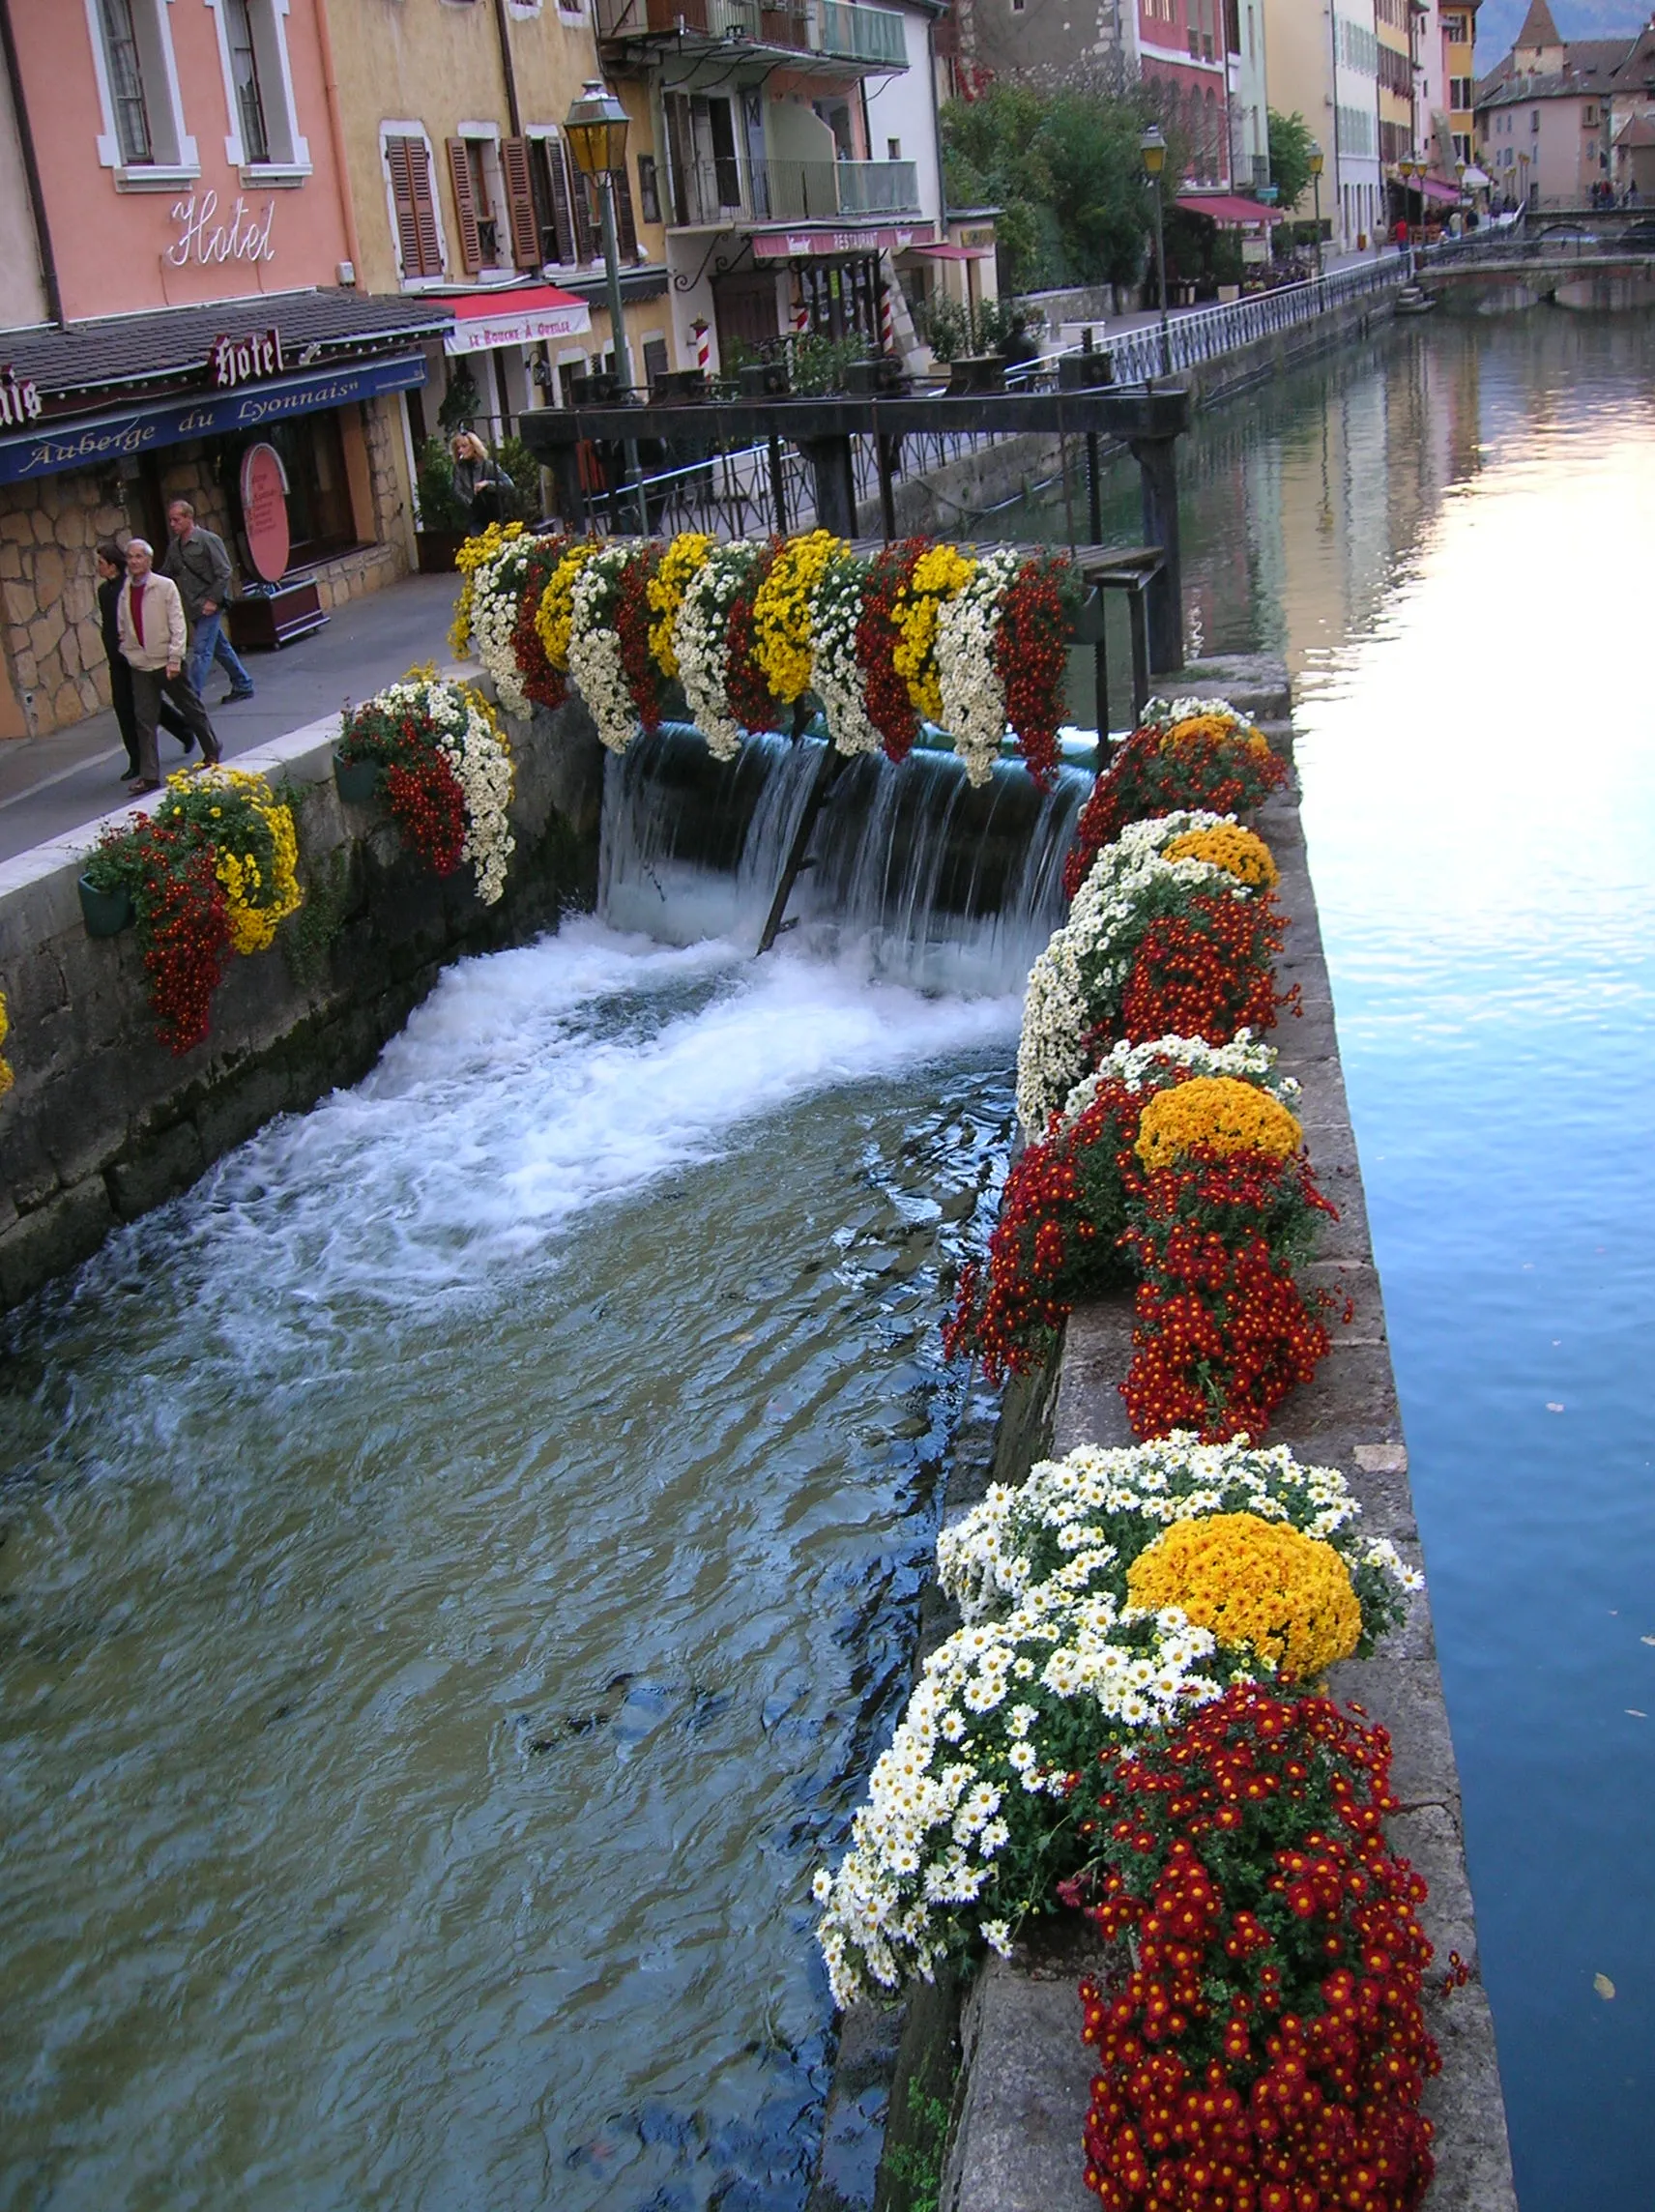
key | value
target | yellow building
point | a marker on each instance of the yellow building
(462, 187)
(1392, 22)
(1459, 37)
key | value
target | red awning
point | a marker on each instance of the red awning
(1224, 210)
(515, 315)
(955, 253)
(1434, 191)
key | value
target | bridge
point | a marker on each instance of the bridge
(1601, 259)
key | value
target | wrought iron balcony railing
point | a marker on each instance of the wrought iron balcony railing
(839, 28)
(720, 191)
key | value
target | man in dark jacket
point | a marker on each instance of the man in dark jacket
(111, 576)
(199, 566)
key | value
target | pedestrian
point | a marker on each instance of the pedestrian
(111, 576)
(198, 564)
(480, 484)
(149, 616)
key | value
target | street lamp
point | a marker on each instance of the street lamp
(1153, 149)
(1407, 170)
(596, 127)
(1316, 180)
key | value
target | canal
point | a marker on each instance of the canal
(458, 1561)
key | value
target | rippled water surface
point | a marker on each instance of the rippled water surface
(458, 1563)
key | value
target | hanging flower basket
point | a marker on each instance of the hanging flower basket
(106, 913)
(357, 780)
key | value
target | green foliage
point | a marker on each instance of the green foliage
(522, 503)
(1290, 149)
(434, 488)
(1063, 165)
(460, 402)
(917, 2165)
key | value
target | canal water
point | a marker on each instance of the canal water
(458, 1563)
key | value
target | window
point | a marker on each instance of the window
(1017, 7)
(1460, 92)
(893, 149)
(258, 90)
(319, 510)
(563, 217)
(1534, 122)
(473, 165)
(414, 206)
(244, 77)
(649, 188)
(1588, 117)
(143, 139)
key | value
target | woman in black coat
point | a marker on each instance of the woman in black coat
(112, 574)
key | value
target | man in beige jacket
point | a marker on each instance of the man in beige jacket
(149, 618)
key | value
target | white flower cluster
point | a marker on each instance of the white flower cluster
(594, 650)
(1163, 713)
(1076, 982)
(464, 732)
(957, 1807)
(700, 630)
(973, 695)
(989, 1560)
(496, 600)
(1135, 1068)
(836, 676)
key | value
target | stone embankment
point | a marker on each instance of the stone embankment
(103, 1122)
(1010, 2064)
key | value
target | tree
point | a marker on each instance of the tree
(1061, 163)
(1290, 148)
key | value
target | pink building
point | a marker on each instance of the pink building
(192, 245)
(1183, 46)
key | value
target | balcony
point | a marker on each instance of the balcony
(714, 194)
(832, 30)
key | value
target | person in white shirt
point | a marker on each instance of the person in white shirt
(149, 620)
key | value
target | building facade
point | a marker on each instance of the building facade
(195, 293)
(1545, 114)
(1459, 40)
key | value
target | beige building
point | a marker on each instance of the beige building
(463, 189)
(1544, 114)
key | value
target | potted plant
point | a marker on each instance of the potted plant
(106, 887)
(443, 521)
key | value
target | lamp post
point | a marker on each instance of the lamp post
(1407, 169)
(1153, 149)
(596, 127)
(1315, 182)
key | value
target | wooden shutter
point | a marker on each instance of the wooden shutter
(588, 227)
(521, 203)
(417, 239)
(465, 205)
(625, 224)
(563, 215)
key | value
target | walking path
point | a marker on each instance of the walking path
(54, 784)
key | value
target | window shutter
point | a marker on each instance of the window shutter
(563, 217)
(588, 227)
(626, 225)
(416, 212)
(465, 205)
(521, 203)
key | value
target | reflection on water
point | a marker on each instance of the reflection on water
(1451, 537)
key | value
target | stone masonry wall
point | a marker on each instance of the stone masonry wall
(102, 1124)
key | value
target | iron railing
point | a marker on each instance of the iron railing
(722, 189)
(839, 27)
(864, 34)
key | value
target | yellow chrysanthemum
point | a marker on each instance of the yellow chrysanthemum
(937, 575)
(687, 553)
(472, 556)
(554, 618)
(1258, 1585)
(1197, 726)
(1219, 1112)
(782, 642)
(1242, 853)
(4, 1066)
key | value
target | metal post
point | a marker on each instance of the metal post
(1094, 532)
(623, 351)
(778, 486)
(1161, 280)
(1316, 180)
(831, 465)
(1158, 475)
(885, 450)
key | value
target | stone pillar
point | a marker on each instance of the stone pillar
(1158, 477)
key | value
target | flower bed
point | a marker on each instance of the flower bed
(917, 633)
(211, 873)
(446, 773)
(1188, 753)
(979, 1808)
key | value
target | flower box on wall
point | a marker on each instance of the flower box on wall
(106, 913)
(260, 621)
(355, 780)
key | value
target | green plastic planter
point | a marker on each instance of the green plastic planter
(105, 913)
(357, 780)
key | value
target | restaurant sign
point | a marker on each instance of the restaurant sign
(102, 441)
(798, 244)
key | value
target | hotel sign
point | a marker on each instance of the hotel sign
(247, 359)
(19, 399)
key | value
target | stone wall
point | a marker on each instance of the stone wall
(104, 1124)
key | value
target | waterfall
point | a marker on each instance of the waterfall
(930, 880)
